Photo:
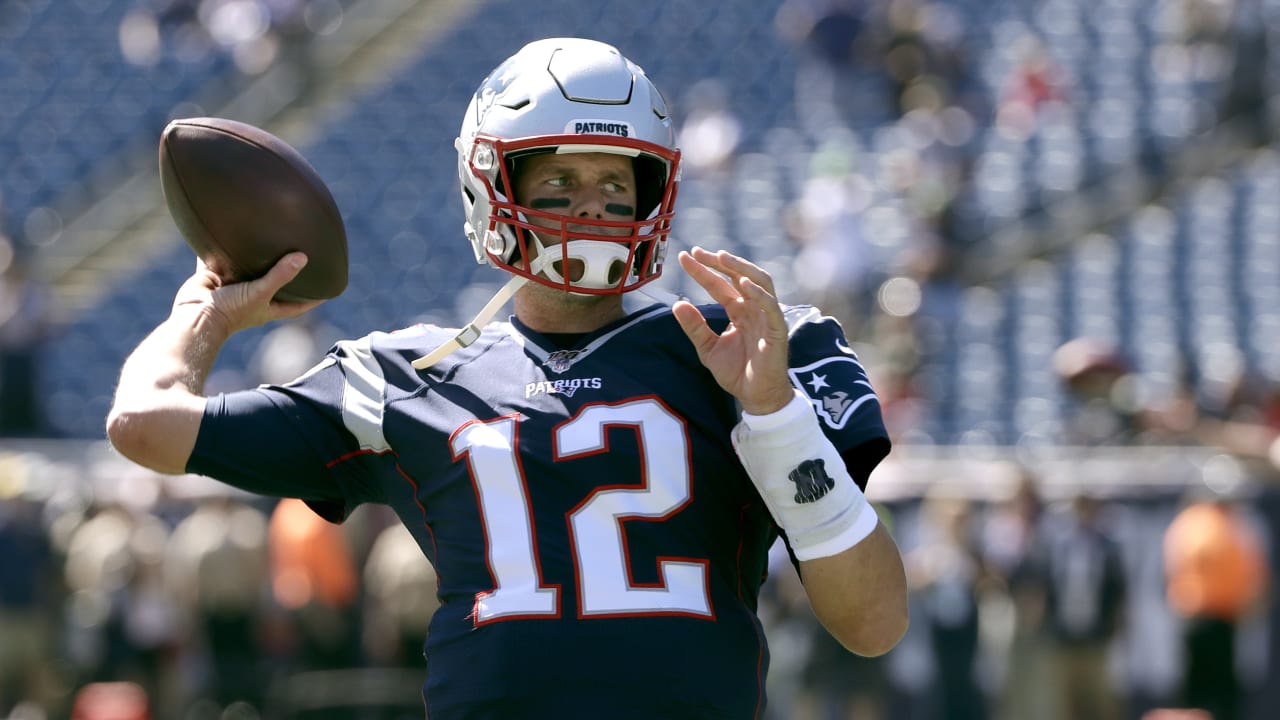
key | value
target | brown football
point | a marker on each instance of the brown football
(243, 198)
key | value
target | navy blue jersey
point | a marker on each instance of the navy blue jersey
(599, 547)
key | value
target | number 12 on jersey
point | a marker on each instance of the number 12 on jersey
(596, 533)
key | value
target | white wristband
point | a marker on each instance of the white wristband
(803, 480)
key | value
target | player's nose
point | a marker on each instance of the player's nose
(590, 204)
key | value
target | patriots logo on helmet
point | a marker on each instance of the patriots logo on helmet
(494, 85)
(836, 386)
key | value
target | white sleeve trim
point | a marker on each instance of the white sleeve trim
(363, 393)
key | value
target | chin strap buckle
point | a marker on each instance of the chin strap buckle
(469, 334)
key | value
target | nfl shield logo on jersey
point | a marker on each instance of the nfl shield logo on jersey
(561, 360)
(837, 386)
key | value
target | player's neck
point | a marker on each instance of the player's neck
(547, 310)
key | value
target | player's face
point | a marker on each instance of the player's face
(592, 186)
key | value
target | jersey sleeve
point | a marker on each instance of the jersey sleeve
(829, 373)
(291, 440)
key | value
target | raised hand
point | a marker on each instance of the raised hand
(237, 306)
(748, 359)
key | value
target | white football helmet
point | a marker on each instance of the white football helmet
(568, 95)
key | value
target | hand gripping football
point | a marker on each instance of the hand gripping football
(244, 198)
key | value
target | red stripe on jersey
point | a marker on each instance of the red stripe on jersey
(435, 550)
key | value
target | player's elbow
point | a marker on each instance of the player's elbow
(874, 632)
(140, 436)
(126, 429)
(860, 595)
(883, 635)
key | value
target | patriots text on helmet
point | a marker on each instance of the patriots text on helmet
(597, 127)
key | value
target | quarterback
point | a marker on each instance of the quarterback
(598, 479)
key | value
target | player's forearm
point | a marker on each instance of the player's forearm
(851, 567)
(860, 594)
(159, 401)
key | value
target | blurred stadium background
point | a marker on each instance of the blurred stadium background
(1049, 227)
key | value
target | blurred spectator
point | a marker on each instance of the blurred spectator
(867, 62)
(1246, 99)
(946, 570)
(1084, 609)
(154, 29)
(217, 566)
(1240, 412)
(839, 684)
(925, 56)
(1216, 577)
(111, 701)
(242, 29)
(314, 578)
(710, 133)
(152, 625)
(1206, 35)
(27, 594)
(107, 637)
(893, 366)
(1100, 385)
(25, 316)
(1036, 81)
(1177, 419)
(1176, 714)
(400, 598)
(254, 34)
(834, 263)
(1227, 406)
(1014, 551)
(837, 81)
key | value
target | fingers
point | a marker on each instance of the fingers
(719, 288)
(281, 274)
(251, 303)
(768, 304)
(264, 288)
(733, 282)
(285, 310)
(284, 271)
(735, 267)
(694, 326)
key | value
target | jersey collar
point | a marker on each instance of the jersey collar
(558, 359)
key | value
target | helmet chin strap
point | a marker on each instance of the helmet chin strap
(469, 334)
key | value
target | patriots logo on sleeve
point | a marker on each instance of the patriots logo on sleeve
(837, 386)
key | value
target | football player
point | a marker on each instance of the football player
(597, 480)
